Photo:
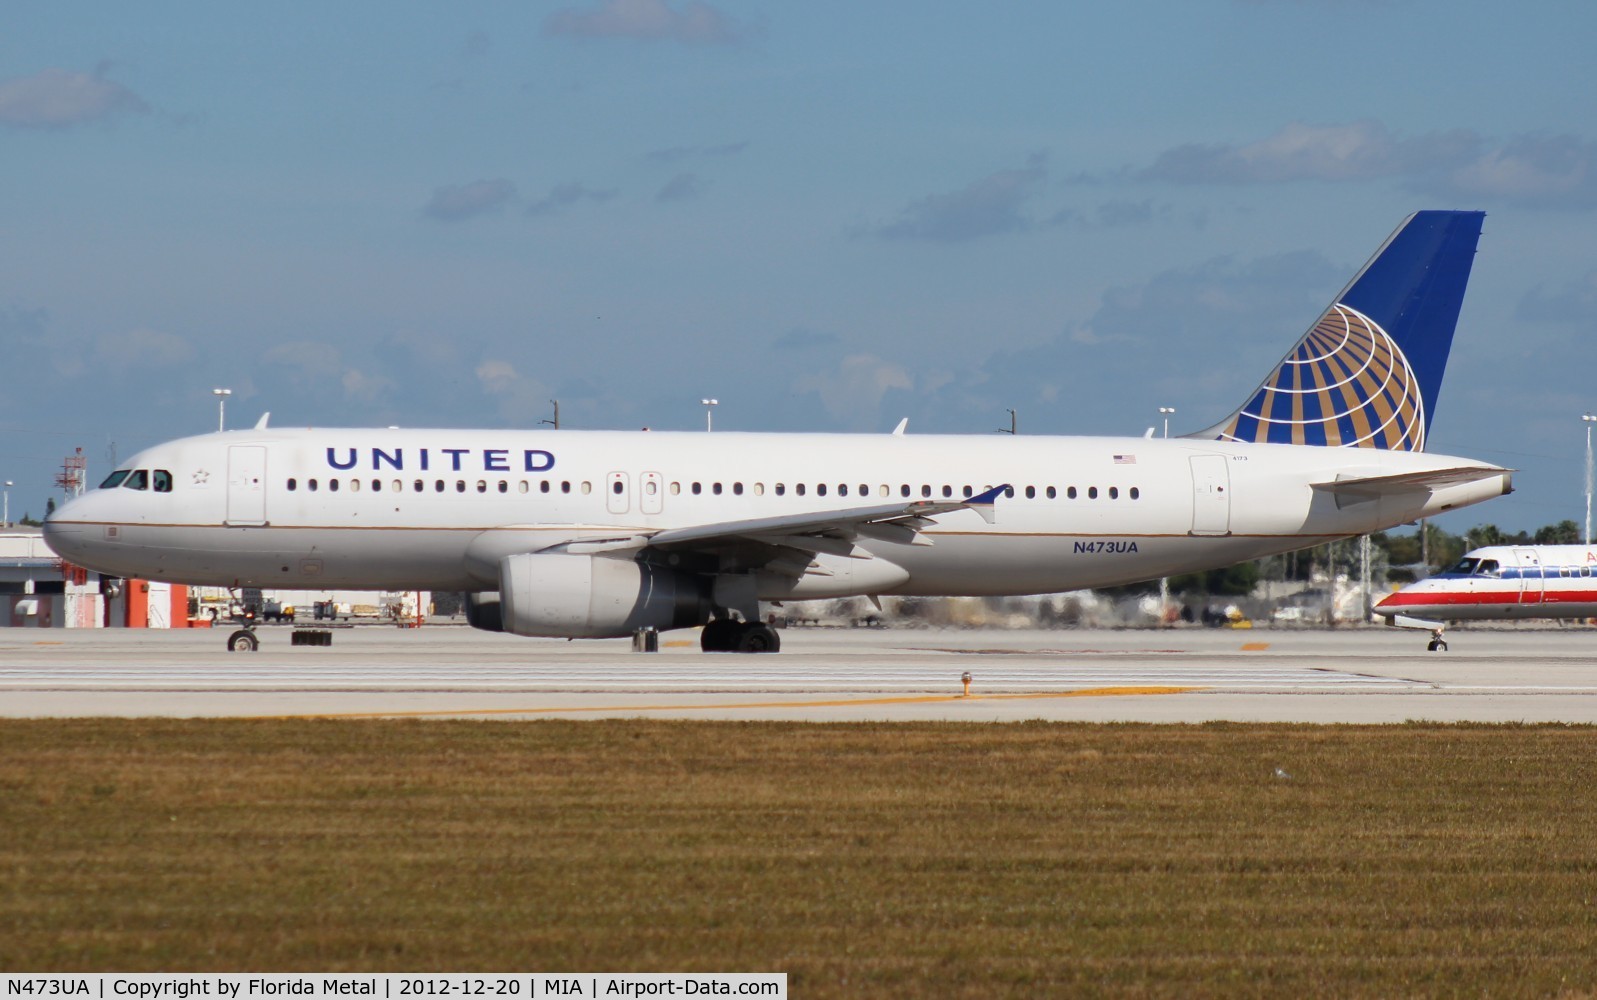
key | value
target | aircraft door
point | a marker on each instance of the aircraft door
(1531, 582)
(246, 484)
(618, 493)
(653, 499)
(1211, 495)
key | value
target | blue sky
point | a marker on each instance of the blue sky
(827, 215)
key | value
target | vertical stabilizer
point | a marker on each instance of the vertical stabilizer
(1368, 373)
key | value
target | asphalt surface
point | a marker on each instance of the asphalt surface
(1531, 673)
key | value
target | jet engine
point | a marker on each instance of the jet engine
(483, 611)
(594, 597)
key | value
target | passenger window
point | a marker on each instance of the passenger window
(438, 486)
(616, 487)
(1071, 493)
(310, 484)
(587, 488)
(293, 484)
(799, 489)
(114, 479)
(903, 490)
(864, 490)
(1031, 493)
(420, 485)
(523, 486)
(377, 485)
(504, 486)
(1052, 493)
(697, 489)
(1092, 493)
(884, 490)
(332, 486)
(948, 491)
(1114, 493)
(399, 487)
(650, 488)
(543, 487)
(139, 480)
(1009, 491)
(354, 486)
(820, 489)
(482, 486)
(716, 489)
(842, 489)
(759, 489)
(737, 489)
(676, 489)
(781, 489)
(1135, 493)
(925, 490)
(565, 486)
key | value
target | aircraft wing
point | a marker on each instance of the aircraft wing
(1361, 488)
(830, 531)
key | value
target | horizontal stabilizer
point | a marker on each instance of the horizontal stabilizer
(1372, 487)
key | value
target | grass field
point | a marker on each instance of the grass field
(896, 860)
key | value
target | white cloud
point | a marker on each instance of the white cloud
(1534, 171)
(986, 207)
(308, 358)
(57, 98)
(567, 194)
(143, 348)
(654, 20)
(365, 388)
(853, 393)
(456, 202)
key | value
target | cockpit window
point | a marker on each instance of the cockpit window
(139, 480)
(115, 479)
(1466, 566)
(162, 481)
(1489, 567)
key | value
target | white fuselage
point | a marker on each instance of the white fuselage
(1504, 582)
(438, 509)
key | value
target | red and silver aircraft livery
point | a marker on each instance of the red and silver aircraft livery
(1499, 582)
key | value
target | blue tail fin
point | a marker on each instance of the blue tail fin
(1368, 373)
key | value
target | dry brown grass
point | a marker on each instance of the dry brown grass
(957, 859)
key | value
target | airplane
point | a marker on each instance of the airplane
(1511, 582)
(592, 534)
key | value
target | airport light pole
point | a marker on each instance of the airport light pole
(5, 519)
(221, 407)
(1588, 419)
(709, 410)
(1165, 411)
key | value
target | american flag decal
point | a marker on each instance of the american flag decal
(1125, 460)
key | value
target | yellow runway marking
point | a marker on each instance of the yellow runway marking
(1254, 647)
(830, 703)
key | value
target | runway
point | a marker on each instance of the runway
(1531, 674)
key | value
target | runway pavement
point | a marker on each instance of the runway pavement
(1532, 674)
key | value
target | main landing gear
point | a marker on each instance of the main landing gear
(727, 636)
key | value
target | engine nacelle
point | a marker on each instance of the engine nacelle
(484, 611)
(593, 597)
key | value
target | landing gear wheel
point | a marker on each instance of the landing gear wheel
(758, 638)
(1436, 645)
(720, 636)
(243, 641)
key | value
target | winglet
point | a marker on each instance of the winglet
(982, 503)
(260, 424)
(899, 430)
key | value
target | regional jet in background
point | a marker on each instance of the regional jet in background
(1503, 582)
(589, 534)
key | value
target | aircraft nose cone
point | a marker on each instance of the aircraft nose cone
(64, 539)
